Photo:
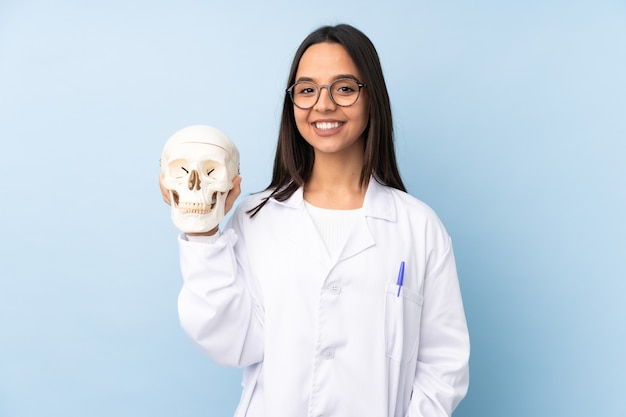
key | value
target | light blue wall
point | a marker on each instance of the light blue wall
(510, 119)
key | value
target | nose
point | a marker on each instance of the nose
(325, 102)
(194, 180)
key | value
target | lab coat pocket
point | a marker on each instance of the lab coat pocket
(402, 322)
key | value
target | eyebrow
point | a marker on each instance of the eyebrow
(350, 76)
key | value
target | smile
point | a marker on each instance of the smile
(327, 125)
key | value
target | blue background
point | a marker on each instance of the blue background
(511, 123)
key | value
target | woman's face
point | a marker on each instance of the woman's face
(327, 127)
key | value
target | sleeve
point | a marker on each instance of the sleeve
(217, 307)
(442, 372)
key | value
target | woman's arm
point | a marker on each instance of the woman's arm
(217, 309)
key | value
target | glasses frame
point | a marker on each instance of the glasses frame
(330, 94)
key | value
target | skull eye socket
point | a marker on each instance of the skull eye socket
(213, 170)
(179, 168)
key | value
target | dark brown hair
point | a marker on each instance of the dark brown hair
(293, 163)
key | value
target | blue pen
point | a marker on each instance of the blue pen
(400, 277)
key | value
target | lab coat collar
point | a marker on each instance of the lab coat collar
(378, 203)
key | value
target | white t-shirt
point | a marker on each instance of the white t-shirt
(334, 226)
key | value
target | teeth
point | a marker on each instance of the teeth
(327, 125)
(195, 208)
(187, 207)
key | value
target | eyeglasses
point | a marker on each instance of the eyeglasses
(343, 92)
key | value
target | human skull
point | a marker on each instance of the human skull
(199, 164)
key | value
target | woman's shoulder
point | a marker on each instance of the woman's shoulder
(413, 209)
(412, 203)
(403, 200)
(248, 204)
(250, 201)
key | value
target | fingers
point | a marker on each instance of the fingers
(165, 193)
(233, 194)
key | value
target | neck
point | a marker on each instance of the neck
(335, 182)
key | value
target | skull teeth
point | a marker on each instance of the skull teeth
(195, 208)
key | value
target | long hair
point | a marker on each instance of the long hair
(293, 162)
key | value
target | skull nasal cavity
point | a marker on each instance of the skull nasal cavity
(194, 180)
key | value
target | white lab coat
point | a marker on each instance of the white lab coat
(331, 337)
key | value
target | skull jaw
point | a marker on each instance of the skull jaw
(198, 217)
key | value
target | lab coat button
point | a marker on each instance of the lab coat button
(328, 354)
(335, 289)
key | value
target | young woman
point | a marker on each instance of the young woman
(334, 288)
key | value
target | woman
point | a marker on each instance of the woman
(335, 289)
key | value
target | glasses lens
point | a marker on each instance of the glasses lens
(304, 94)
(345, 92)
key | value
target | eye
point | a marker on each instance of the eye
(305, 89)
(212, 170)
(178, 168)
(345, 87)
